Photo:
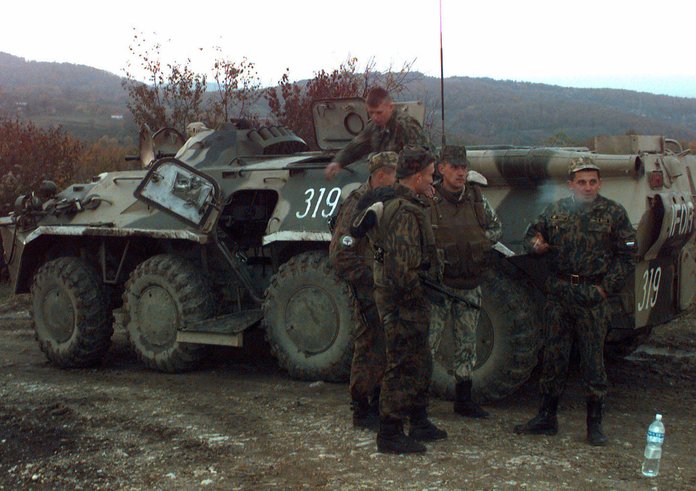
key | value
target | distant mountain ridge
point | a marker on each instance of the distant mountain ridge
(88, 102)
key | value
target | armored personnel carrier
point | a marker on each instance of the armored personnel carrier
(228, 231)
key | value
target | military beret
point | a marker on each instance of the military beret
(581, 163)
(383, 159)
(454, 155)
(413, 159)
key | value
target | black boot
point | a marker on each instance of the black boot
(544, 423)
(391, 438)
(595, 435)
(422, 428)
(362, 416)
(463, 404)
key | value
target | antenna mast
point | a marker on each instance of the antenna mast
(442, 82)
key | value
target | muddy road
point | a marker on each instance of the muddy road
(240, 423)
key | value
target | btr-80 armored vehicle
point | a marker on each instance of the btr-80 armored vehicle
(230, 231)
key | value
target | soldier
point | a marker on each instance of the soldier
(466, 226)
(353, 262)
(387, 130)
(590, 243)
(404, 248)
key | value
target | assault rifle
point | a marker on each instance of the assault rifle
(448, 292)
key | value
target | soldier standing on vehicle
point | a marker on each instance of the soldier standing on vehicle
(352, 260)
(404, 248)
(590, 243)
(466, 226)
(387, 130)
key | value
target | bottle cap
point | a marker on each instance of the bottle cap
(658, 417)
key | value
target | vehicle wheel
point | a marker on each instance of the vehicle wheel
(309, 317)
(70, 313)
(162, 294)
(507, 342)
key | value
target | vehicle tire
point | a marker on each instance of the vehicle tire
(309, 317)
(162, 294)
(508, 339)
(70, 312)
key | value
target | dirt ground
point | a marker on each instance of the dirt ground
(240, 423)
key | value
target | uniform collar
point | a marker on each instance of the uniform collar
(407, 193)
(448, 195)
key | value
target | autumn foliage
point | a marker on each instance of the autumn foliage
(29, 155)
(291, 102)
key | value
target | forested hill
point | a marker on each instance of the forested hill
(85, 101)
(88, 102)
(482, 110)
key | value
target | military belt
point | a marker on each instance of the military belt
(576, 279)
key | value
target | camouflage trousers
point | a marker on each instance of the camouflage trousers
(463, 320)
(575, 313)
(409, 362)
(369, 357)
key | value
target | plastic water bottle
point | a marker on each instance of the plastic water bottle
(653, 450)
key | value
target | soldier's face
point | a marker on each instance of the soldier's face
(453, 176)
(380, 113)
(425, 180)
(585, 185)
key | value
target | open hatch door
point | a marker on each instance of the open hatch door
(182, 191)
(337, 121)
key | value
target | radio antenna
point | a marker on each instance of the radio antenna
(442, 82)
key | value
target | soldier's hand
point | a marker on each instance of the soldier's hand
(539, 244)
(430, 192)
(331, 170)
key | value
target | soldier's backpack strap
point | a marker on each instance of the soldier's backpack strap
(479, 207)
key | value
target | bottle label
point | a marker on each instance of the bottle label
(656, 437)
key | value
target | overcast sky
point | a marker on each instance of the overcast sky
(637, 45)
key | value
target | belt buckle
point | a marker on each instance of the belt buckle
(574, 279)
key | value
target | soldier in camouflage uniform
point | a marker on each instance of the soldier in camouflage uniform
(591, 246)
(352, 260)
(387, 130)
(404, 248)
(466, 226)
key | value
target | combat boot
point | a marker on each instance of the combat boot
(391, 438)
(362, 416)
(544, 423)
(595, 435)
(463, 404)
(422, 428)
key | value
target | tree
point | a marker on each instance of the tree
(238, 87)
(30, 155)
(291, 102)
(171, 97)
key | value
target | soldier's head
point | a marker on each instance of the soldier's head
(383, 169)
(379, 106)
(584, 179)
(453, 167)
(415, 168)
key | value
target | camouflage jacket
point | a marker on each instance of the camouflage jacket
(400, 130)
(405, 248)
(353, 263)
(596, 240)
